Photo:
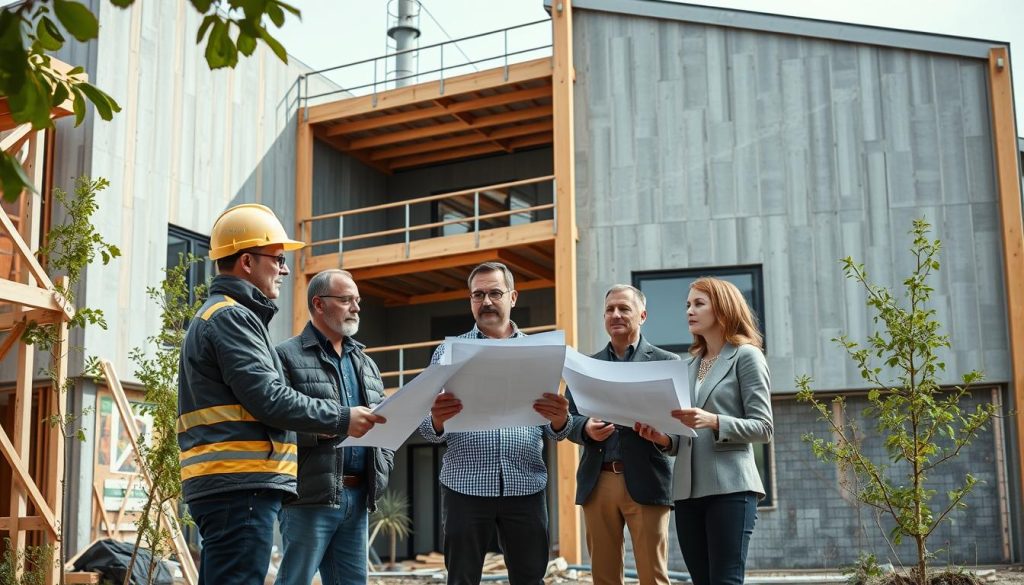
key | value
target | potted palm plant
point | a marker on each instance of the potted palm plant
(392, 518)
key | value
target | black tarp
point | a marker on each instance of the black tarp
(110, 558)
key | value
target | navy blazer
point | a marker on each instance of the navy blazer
(647, 469)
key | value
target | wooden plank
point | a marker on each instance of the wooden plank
(1004, 138)
(303, 210)
(453, 154)
(13, 336)
(490, 78)
(567, 453)
(102, 513)
(446, 143)
(20, 318)
(21, 475)
(528, 267)
(81, 578)
(12, 524)
(389, 296)
(21, 438)
(536, 232)
(438, 110)
(531, 113)
(26, 253)
(31, 296)
(428, 265)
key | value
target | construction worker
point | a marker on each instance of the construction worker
(236, 416)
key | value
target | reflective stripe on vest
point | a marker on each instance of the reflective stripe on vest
(239, 457)
(227, 302)
(214, 415)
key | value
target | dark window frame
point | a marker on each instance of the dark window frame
(199, 271)
(757, 304)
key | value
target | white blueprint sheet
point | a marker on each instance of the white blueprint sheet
(405, 409)
(628, 392)
(500, 379)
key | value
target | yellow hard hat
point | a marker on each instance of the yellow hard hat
(249, 225)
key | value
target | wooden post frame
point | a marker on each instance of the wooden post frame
(562, 80)
(1004, 139)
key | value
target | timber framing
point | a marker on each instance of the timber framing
(466, 116)
(1007, 159)
(28, 296)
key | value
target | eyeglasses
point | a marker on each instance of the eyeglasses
(477, 296)
(345, 300)
(281, 258)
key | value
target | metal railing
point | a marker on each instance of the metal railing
(496, 48)
(465, 199)
(402, 373)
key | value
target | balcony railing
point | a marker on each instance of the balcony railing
(459, 212)
(439, 61)
(403, 374)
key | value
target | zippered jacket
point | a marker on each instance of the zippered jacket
(308, 369)
(236, 415)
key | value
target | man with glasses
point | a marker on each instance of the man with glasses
(325, 528)
(497, 478)
(236, 414)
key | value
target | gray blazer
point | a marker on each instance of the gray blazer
(737, 390)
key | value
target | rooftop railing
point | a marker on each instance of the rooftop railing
(440, 61)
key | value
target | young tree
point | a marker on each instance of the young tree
(158, 373)
(922, 424)
(33, 29)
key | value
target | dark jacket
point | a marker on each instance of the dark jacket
(235, 413)
(309, 369)
(647, 470)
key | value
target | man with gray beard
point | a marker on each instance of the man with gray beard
(325, 527)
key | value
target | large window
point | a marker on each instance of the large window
(666, 324)
(183, 242)
(666, 292)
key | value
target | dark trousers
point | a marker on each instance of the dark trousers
(237, 529)
(714, 534)
(469, 522)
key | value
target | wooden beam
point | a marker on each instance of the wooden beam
(424, 92)
(26, 253)
(379, 291)
(21, 440)
(525, 266)
(303, 209)
(56, 407)
(40, 316)
(342, 145)
(31, 296)
(13, 336)
(439, 109)
(522, 115)
(1007, 153)
(517, 235)
(527, 141)
(455, 153)
(456, 295)
(22, 523)
(429, 265)
(446, 143)
(567, 453)
(20, 474)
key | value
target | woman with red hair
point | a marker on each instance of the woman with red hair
(717, 487)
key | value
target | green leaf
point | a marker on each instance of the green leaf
(13, 179)
(60, 94)
(77, 19)
(122, 3)
(220, 50)
(276, 15)
(274, 45)
(78, 105)
(209, 21)
(203, 6)
(105, 106)
(246, 44)
(49, 35)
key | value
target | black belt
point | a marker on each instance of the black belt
(613, 466)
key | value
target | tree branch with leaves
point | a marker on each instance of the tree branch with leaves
(921, 423)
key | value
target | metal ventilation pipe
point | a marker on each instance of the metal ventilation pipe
(404, 29)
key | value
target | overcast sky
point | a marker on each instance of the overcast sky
(334, 32)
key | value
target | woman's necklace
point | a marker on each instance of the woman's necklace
(705, 367)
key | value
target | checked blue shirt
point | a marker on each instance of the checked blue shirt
(500, 462)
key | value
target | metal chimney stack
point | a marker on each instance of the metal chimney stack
(404, 29)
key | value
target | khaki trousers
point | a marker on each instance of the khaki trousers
(608, 510)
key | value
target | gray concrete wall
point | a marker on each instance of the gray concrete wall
(702, 146)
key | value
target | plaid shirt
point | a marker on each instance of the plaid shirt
(500, 462)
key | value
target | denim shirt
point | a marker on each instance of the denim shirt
(355, 457)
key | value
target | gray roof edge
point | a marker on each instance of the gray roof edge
(794, 25)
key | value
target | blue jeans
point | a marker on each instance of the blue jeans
(237, 529)
(714, 535)
(331, 539)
